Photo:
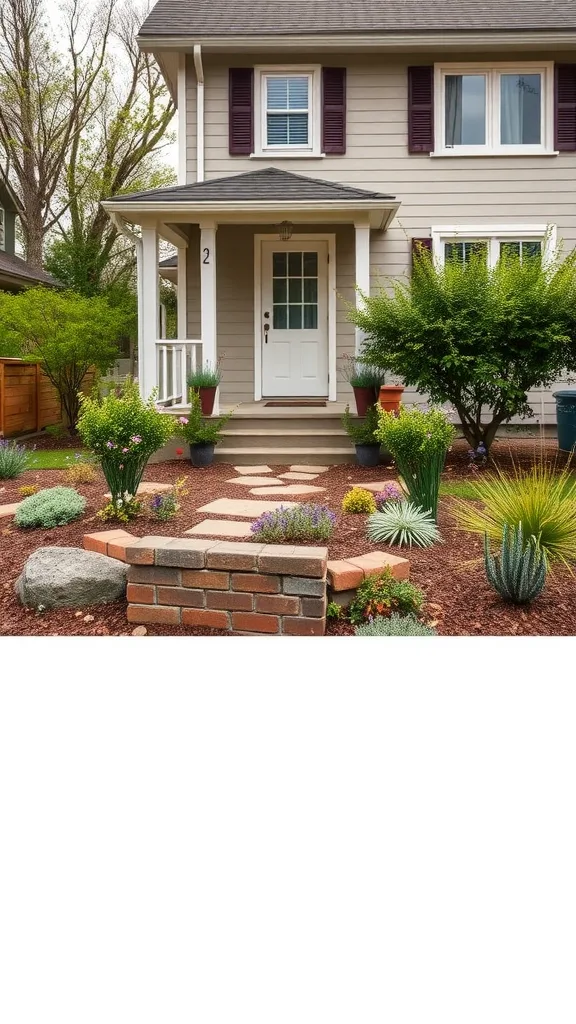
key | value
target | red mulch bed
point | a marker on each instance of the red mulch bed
(459, 600)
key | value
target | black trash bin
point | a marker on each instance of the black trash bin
(566, 419)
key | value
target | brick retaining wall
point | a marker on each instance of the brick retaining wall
(245, 588)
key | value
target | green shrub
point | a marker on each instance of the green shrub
(518, 573)
(13, 459)
(401, 523)
(54, 506)
(381, 594)
(362, 431)
(541, 501)
(123, 431)
(334, 610)
(195, 429)
(358, 500)
(419, 442)
(395, 625)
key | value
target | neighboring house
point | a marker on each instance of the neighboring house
(317, 142)
(15, 273)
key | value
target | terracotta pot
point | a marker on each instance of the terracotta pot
(365, 397)
(207, 399)
(390, 397)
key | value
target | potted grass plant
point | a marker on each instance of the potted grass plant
(362, 433)
(201, 434)
(365, 381)
(204, 381)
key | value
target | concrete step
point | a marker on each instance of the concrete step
(308, 425)
(278, 456)
(280, 439)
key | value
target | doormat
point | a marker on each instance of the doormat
(296, 405)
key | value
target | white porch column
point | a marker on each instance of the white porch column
(362, 246)
(208, 294)
(149, 332)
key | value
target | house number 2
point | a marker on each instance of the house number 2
(206, 253)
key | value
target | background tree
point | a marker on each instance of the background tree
(67, 334)
(479, 338)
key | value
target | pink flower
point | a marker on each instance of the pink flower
(124, 450)
(183, 421)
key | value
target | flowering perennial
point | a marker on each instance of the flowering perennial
(302, 522)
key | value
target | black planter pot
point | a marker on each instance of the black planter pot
(368, 455)
(202, 455)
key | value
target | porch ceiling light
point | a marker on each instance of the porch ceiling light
(285, 229)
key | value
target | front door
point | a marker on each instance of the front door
(294, 319)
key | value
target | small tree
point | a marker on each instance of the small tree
(480, 338)
(66, 333)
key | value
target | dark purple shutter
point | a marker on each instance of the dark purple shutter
(420, 245)
(420, 109)
(241, 111)
(333, 110)
(565, 108)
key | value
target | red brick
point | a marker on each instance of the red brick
(376, 561)
(99, 541)
(205, 579)
(344, 575)
(154, 574)
(117, 548)
(277, 605)
(153, 613)
(314, 607)
(142, 551)
(183, 596)
(299, 626)
(255, 623)
(205, 617)
(230, 600)
(141, 593)
(255, 583)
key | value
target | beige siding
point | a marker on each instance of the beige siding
(432, 191)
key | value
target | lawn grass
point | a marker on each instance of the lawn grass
(52, 458)
(458, 489)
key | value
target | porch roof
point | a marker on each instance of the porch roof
(265, 190)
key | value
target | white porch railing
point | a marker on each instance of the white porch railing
(175, 360)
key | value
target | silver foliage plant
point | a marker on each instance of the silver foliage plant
(404, 524)
(395, 625)
(518, 573)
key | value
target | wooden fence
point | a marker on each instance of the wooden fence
(28, 401)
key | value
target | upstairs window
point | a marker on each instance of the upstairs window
(526, 242)
(2, 232)
(289, 104)
(491, 110)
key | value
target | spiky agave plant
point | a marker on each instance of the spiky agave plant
(518, 573)
(404, 524)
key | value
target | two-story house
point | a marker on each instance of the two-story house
(15, 274)
(317, 142)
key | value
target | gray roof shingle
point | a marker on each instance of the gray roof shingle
(267, 184)
(205, 18)
(15, 266)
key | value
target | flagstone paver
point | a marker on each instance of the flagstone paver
(9, 510)
(290, 489)
(250, 470)
(221, 528)
(246, 508)
(254, 481)
(309, 469)
(296, 476)
(376, 485)
(149, 488)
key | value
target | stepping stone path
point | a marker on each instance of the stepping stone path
(254, 481)
(296, 476)
(290, 489)
(248, 470)
(246, 509)
(9, 510)
(149, 488)
(376, 486)
(309, 469)
(221, 528)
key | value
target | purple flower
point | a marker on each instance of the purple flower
(135, 439)
(183, 421)
(110, 444)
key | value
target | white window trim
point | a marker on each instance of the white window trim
(493, 146)
(261, 149)
(2, 228)
(494, 234)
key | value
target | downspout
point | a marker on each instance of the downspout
(199, 112)
(121, 226)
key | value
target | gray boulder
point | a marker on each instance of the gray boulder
(70, 578)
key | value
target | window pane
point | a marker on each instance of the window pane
(295, 317)
(298, 129)
(520, 110)
(295, 289)
(310, 290)
(277, 130)
(279, 263)
(311, 317)
(465, 110)
(530, 250)
(509, 248)
(460, 252)
(310, 264)
(523, 250)
(280, 318)
(279, 290)
(295, 264)
(277, 93)
(298, 93)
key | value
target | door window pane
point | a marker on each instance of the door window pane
(465, 110)
(295, 291)
(280, 317)
(279, 289)
(279, 264)
(295, 264)
(310, 264)
(295, 317)
(310, 289)
(520, 110)
(311, 317)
